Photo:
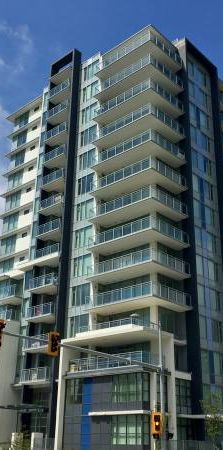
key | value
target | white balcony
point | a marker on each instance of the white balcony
(137, 122)
(133, 205)
(55, 157)
(46, 256)
(133, 177)
(44, 284)
(35, 377)
(10, 295)
(30, 346)
(140, 263)
(148, 42)
(54, 181)
(136, 73)
(57, 135)
(52, 205)
(133, 98)
(135, 234)
(60, 92)
(9, 314)
(44, 313)
(50, 230)
(142, 295)
(58, 113)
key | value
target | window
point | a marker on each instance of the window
(216, 299)
(90, 70)
(218, 363)
(34, 128)
(81, 294)
(88, 113)
(200, 139)
(83, 237)
(10, 222)
(22, 120)
(26, 211)
(33, 147)
(190, 68)
(8, 245)
(130, 387)
(205, 364)
(183, 396)
(20, 139)
(203, 327)
(213, 270)
(200, 76)
(90, 91)
(130, 430)
(87, 159)
(79, 324)
(18, 159)
(22, 258)
(13, 201)
(85, 184)
(199, 264)
(88, 135)
(30, 168)
(82, 266)
(24, 234)
(6, 265)
(85, 210)
(15, 180)
(201, 295)
(217, 331)
(29, 189)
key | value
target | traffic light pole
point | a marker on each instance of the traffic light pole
(161, 381)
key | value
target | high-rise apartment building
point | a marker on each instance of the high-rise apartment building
(113, 230)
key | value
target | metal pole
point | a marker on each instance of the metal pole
(162, 400)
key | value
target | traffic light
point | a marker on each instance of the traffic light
(2, 326)
(53, 343)
(156, 425)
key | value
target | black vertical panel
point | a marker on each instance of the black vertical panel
(75, 58)
(192, 317)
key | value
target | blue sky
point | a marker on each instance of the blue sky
(33, 34)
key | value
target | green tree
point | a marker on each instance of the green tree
(213, 411)
(22, 441)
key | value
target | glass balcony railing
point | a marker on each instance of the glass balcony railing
(9, 314)
(34, 375)
(45, 251)
(55, 131)
(50, 201)
(136, 141)
(57, 109)
(138, 89)
(142, 256)
(29, 344)
(101, 363)
(54, 153)
(146, 223)
(40, 310)
(138, 114)
(146, 192)
(140, 290)
(43, 280)
(140, 64)
(53, 176)
(9, 291)
(133, 169)
(149, 36)
(49, 226)
(59, 88)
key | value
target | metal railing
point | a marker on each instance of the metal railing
(137, 89)
(190, 445)
(54, 248)
(58, 108)
(35, 374)
(9, 291)
(40, 310)
(141, 256)
(149, 36)
(140, 290)
(149, 222)
(60, 87)
(101, 363)
(136, 141)
(55, 131)
(43, 280)
(146, 192)
(49, 226)
(143, 111)
(140, 64)
(29, 344)
(50, 201)
(9, 314)
(54, 153)
(58, 173)
(148, 163)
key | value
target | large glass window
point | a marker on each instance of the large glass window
(10, 222)
(90, 91)
(88, 113)
(88, 135)
(15, 180)
(82, 266)
(87, 159)
(8, 245)
(130, 387)
(130, 430)
(79, 324)
(81, 294)
(13, 201)
(6, 265)
(90, 70)
(85, 184)
(83, 237)
(183, 396)
(85, 210)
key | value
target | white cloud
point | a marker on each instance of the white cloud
(20, 39)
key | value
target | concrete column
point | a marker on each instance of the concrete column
(36, 441)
